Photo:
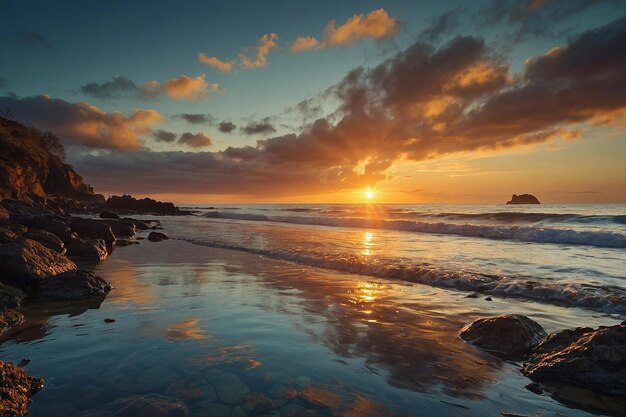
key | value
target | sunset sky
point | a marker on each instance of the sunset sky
(301, 101)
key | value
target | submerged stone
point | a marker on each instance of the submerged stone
(151, 405)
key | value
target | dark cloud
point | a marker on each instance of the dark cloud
(195, 140)
(164, 136)
(3, 83)
(119, 87)
(82, 123)
(196, 118)
(35, 38)
(263, 126)
(226, 127)
(441, 25)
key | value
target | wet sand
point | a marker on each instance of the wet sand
(218, 328)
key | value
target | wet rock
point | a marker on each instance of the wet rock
(206, 408)
(157, 237)
(109, 320)
(85, 249)
(256, 403)
(229, 388)
(10, 318)
(139, 224)
(94, 229)
(47, 239)
(124, 242)
(145, 205)
(25, 263)
(183, 391)
(151, 405)
(10, 297)
(321, 397)
(510, 334)
(119, 228)
(74, 285)
(109, 215)
(46, 222)
(590, 358)
(6, 234)
(16, 387)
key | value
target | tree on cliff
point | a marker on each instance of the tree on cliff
(54, 145)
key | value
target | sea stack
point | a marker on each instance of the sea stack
(523, 199)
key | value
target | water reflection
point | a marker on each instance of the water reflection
(368, 245)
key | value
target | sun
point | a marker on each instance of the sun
(369, 194)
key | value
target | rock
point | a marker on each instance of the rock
(146, 205)
(47, 239)
(94, 229)
(523, 199)
(157, 237)
(109, 320)
(10, 318)
(119, 228)
(256, 403)
(91, 250)
(4, 214)
(10, 297)
(183, 391)
(109, 215)
(25, 263)
(229, 388)
(150, 405)
(510, 334)
(48, 223)
(6, 234)
(16, 387)
(585, 357)
(74, 285)
(124, 242)
(321, 397)
(139, 224)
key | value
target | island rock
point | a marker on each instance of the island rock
(523, 199)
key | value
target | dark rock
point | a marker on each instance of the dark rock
(4, 214)
(157, 237)
(109, 215)
(46, 222)
(6, 234)
(146, 205)
(94, 229)
(74, 285)
(49, 240)
(510, 334)
(10, 318)
(139, 224)
(24, 362)
(594, 359)
(150, 405)
(119, 228)
(124, 242)
(488, 299)
(25, 263)
(16, 387)
(109, 320)
(523, 199)
(10, 297)
(90, 250)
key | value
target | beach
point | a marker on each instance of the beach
(235, 333)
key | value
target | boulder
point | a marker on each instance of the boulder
(89, 250)
(512, 335)
(119, 228)
(6, 234)
(94, 229)
(139, 224)
(49, 240)
(10, 318)
(10, 297)
(157, 237)
(109, 215)
(150, 405)
(523, 199)
(585, 357)
(74, 285)
(16, 387)
(124, 242)
(46, 222)
(146, 205)
(25, 263)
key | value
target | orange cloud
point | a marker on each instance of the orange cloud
(259, 57)
(303, 43)
(181, 88)
(215, 62)
(376, 25)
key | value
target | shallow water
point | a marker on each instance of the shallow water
(193, 321)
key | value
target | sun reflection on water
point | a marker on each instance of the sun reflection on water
(368, 244)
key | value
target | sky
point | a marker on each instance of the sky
(310, 102)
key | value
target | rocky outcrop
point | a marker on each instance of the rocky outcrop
(511, 334)
(10, 318)
(523, 199)
(109, 215)
(10, 297)
(129, 204)
(74, 285)
(49, 240)
(157, 237)
(88, 250)
(16, 387)
(28, 167)
(150, 405)
(119, 228)
(93, 229)
(590, 358)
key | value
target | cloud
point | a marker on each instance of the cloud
(119, 87)
(164, 136)
(195, 140)
(226, 127)
(422, 103)
(258, 58)
(215, 62)
(82, 123)
(3, 82)
(188, 88)
(302, 43)
(264, 126)
(35, 38)
(196, 118)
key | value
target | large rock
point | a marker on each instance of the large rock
(6, 234)
(127, 203)
(510, 334)
(151, 405)
(523, 199)
(49, 240)
(119, 228)
(94, 229)
(10, 318)
(89, 250)
(157, 237)
(139, 224)
(74, 285)
(46, 222)
(16, 387)
(10, 297)
(585, 357)
(109, 215)
(25, 263)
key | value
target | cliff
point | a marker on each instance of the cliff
(30, 167)
(523, 199)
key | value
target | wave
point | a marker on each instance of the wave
(606, 299)
(498, 232)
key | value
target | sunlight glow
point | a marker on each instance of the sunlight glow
(369, 194)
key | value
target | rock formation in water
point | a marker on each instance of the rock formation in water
(129, 204)
(523, 199)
